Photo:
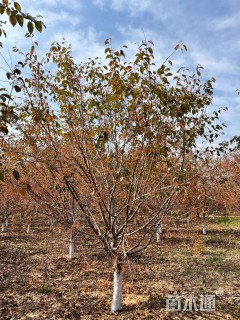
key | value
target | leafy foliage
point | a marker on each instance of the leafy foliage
(15, 16)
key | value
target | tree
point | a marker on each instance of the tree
(15, 202)
(15, 17)
(225, 192)
(118, 140)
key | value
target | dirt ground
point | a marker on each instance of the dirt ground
(39, 281)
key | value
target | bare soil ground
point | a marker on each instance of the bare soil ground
(39, 281)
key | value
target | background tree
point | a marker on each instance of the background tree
(224, 194)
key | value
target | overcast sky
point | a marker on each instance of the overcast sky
(209, 28)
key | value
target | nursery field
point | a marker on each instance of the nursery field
(39, 281)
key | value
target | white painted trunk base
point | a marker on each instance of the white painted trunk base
(117, 292)
(28, 228)
(3, 227)
(6, 223)
(71, 247)
(204, 228)
(158, 233)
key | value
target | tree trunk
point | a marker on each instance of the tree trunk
(6, 222)
(71, 247)
(158, 233)
(28, 228)
(204, 228)
(3, 227)
(117, 286)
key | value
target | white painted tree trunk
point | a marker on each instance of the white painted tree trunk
(6, 223)
(3, 227)
(117, 292)
(29, 228)
(204, 228)
(188, 220)
(71, 247)
(158, 233)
